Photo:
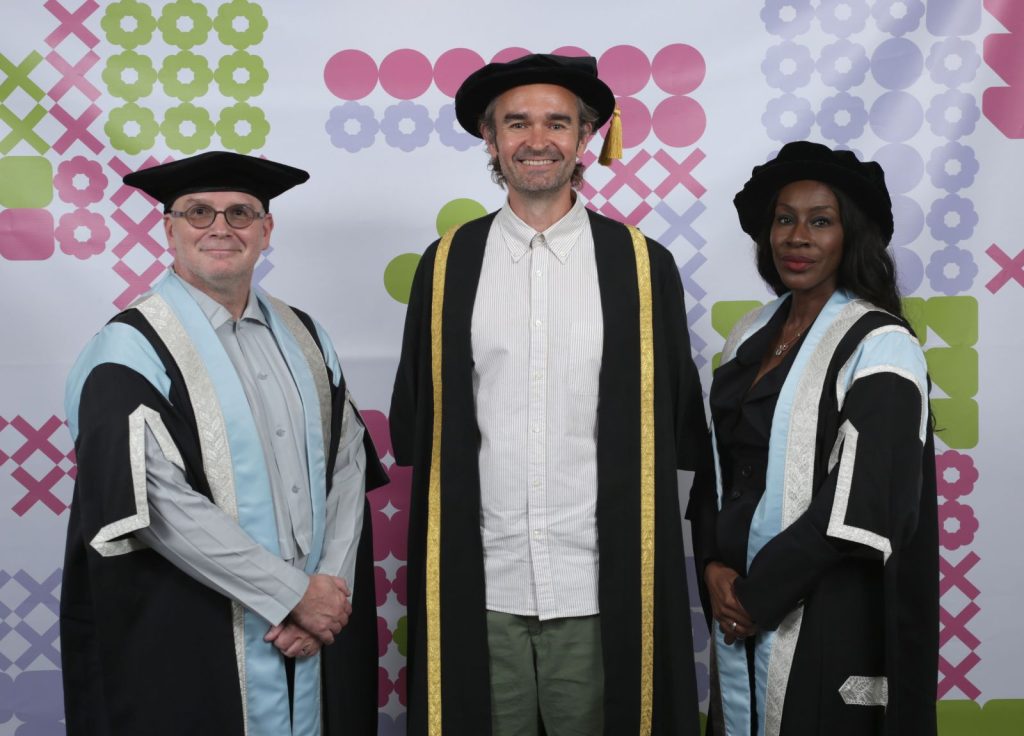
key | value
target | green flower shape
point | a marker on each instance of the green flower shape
(113, 19)
(254, 21)
(121, 139)
(118, 64)
(256, 75)
(176, 11)
(187, 142)
(243, 142)
(186, 61)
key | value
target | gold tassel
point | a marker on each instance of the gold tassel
(612, 148)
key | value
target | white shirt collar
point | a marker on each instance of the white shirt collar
(560, 237)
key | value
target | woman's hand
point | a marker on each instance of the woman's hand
(734, 622)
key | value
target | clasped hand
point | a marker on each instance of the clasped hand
(315, 620)
(733, 621)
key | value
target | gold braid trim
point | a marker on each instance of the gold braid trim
(643, 278)
(433, 581)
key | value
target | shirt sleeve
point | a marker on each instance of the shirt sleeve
(346, 501)
(206, 544)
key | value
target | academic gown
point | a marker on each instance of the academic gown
(841, 563)
(145, 648)
(680, 441)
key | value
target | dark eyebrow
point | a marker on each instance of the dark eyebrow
(815, 208)
(521, 116)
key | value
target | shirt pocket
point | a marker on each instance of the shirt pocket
(583, 367)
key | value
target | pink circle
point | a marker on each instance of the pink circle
(679, 69)
(679, 121)
(512, 52)
(453, 66)
(626, 69)
(350, 74)
(571, 51)
(405, 74)
(636, 121)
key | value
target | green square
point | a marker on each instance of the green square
(958, 718)
(956, 422)
(26, 182)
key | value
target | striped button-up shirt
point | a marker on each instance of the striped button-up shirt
(537, 335)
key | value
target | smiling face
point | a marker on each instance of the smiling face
(807, 238)
(537, 140)
(218, 260)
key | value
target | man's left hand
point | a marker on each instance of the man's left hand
(292, 640)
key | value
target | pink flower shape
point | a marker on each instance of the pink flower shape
(384, 687)
(65, 233)
(398, 585)
(955, 473)
(65, 181)
(381, 585)
(383, 636)
(400, 686)
(965, 521)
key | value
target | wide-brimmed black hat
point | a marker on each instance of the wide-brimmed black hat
(576, 73)
(862, 181)
(217, 171)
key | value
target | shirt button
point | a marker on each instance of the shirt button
(261, 376)
(745, 471)
(537, 532)
(536, 483)
(280, 433)
(538, 323)
(536, 428)
(538, 272)
(295, 489)
(538, 375)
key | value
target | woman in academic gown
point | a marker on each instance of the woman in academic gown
(817, 547)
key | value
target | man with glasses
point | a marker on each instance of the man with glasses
(218, 529)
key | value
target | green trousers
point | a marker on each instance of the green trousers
(548, 671)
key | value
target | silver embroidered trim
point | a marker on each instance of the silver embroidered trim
(798, 487)
(862, 690)
(842, 383)
(213, 438)
(739, 331)
(314, 358)
(107, 541)
(837, 526)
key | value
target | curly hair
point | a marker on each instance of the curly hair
(587, 118)
(866, 269)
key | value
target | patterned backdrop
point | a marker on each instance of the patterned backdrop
(362, 97)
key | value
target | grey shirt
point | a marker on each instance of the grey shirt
(210, 546)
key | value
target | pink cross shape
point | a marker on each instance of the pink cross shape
(137, 233)
(37, 440)
(956, 626)
(3, 455)
(956, 676)
(138, 283)
(39, 491)
(71, 23)
(680, 173)
(1009, 268)
(625, 174)
(73, 75)
(633, 218)
(951, 576)
(122, 169)
(77, 128)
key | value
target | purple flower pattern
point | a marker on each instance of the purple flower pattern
(898, 17)
(842, 105)
(956, 208)
(337, 123)
(953, 61)
(965, 166)
(953, 114)
(451, 133)
(843, 64)
(787, 18)
(391, 126)
(842, 17)
(787, 66)
(961, 261)
(780, 111)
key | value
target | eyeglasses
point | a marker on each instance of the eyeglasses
(238, 216)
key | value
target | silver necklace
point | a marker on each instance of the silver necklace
(783, 347)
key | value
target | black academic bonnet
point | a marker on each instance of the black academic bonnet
(578, 74)
(862, 181)
(217, 171)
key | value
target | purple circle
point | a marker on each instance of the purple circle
(787, 66)
(951, 258)
(908, 219)
(953, 61)
(350, 74)
(953, 166)
(897, 63)
(571, 51)
(952, 219)
(953, 114)
(903, 166)
(909, 269)
(637, 121)
(509, 54)
(453, 66)
(898, 25)
(842, 117)
(896, 116)
(679, 121)
(843, 64)
(405, 74)
(678, 69)
(787, 18)
(782, 109)
(842, 17)
(626, 69)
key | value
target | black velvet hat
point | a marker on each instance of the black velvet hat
(862, 181)
(578, 74)
(217, 171)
